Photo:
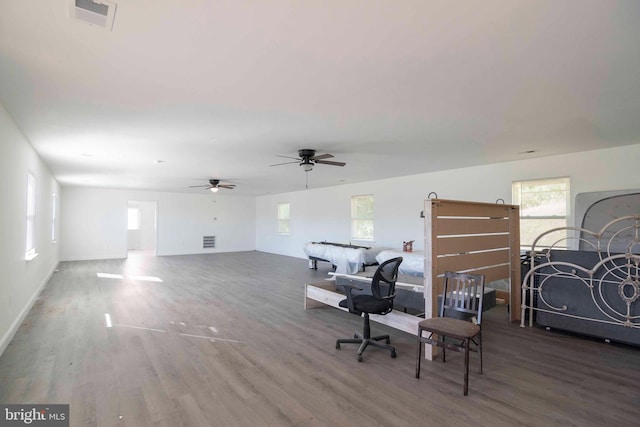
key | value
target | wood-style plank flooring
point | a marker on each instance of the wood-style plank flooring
(224, 341)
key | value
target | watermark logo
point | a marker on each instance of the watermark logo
(34, 415)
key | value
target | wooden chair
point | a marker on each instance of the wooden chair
(459, 321)
(380, 301)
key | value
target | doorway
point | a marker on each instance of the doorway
(142, 227)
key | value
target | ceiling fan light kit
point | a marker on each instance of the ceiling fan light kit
(307, 166)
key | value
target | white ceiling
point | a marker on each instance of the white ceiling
(217, 89)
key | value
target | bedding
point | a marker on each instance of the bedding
(412, 262)
(346, 258)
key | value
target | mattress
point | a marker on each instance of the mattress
(412, 262)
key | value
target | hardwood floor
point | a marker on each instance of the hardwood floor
(224, 340)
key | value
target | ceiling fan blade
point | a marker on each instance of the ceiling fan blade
(199, 186)
(286, 163)
(229, 186)
(289, 157)
(322, 156)
(329, 162)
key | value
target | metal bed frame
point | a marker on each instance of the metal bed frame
(594, 291)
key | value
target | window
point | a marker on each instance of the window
(362, 217)
(53, 217)
(283, 218)
(544, 205)
(31, 217)
(133, 221)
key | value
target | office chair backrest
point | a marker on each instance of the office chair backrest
(387, 272)
(462, 296)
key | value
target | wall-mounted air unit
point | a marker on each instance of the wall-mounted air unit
(95, 12)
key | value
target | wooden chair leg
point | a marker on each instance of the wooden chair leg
(444, 354)
(466, 367)
(419, 353)
(480, 350)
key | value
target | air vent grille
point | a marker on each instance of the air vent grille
(208, 242)
(94, 7)
(95, 12)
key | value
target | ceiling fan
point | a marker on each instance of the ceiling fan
(307, 159)
(214, 185)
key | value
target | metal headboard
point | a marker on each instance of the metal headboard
(617, 246)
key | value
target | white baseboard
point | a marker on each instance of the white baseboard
(8, 336)
(92, 257)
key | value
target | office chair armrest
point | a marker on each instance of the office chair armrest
(348, 288)
(390, 297)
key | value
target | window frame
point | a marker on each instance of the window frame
(357, 217)
(284, 221)
(561, 239)
(30, 217)
(54, 215)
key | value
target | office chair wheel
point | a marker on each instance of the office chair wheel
(388, 341)
(338, 345)
(359, 358)
(393, 354)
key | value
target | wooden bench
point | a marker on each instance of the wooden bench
(325, 294)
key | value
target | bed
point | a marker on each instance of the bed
(412, 262)
(345, 258)
(593, 290)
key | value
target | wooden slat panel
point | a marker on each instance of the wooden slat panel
(430, 263)
(472, 261)
(490, 274)
(476, 218)
(514, 232)
(494, 273)
(455, 245)
(451, 226)
(474, 209)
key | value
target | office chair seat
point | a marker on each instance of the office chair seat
(368, 304)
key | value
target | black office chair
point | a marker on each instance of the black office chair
(459, 321)
(379, 302)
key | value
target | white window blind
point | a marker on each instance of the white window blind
(283, 218)
(31, 217)
(544, 204)
(362, 217)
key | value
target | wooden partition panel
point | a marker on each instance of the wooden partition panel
(481, 238)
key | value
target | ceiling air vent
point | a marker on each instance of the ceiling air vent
(95, 12)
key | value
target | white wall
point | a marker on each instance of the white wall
(148, 228)
(94, 222)
(324, 213)
(143, 238)
(20, 280)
